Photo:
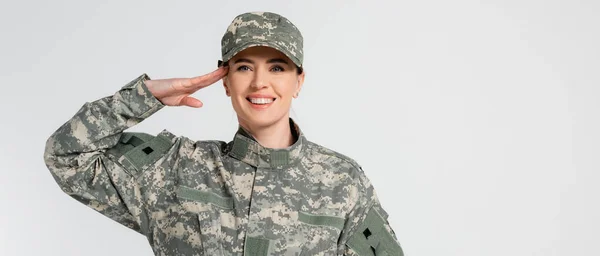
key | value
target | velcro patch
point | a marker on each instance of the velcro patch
(373, 239)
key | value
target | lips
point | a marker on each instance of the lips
(260, 102)
(260, 95)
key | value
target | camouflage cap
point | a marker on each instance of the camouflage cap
(262, 29)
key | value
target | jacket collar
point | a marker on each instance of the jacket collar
(245, 148)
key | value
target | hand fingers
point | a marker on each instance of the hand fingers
(191, 102)
(210, 78)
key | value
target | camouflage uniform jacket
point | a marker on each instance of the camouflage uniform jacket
(215, 198)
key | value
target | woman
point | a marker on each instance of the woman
(269, 191)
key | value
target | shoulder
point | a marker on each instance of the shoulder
(337, 162)
(172, 142)
(320, 152)
(188, 144)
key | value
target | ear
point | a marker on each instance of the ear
(299, 84)
(226, 86)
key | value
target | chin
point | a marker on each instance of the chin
(261, 120)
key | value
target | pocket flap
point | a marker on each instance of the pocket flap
(321, 220)
(205, 197)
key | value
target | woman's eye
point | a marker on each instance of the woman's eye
(243, 68)
(277, 68)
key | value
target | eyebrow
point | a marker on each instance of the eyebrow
(276, 60)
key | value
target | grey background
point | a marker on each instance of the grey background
(476, 121)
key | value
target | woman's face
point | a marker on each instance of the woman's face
(261, 83)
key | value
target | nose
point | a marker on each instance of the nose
(259, 80)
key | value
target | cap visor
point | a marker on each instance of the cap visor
(249, 44)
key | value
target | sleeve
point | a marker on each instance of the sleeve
(82, 154)
(367, 230)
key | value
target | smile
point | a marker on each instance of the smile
(260, 103)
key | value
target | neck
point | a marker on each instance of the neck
(276, 135)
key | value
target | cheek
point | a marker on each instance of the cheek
(286, 88)
(236, 84)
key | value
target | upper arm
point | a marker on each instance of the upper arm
(136, 151)
(374, 235)
(367, 230)
(106, 180)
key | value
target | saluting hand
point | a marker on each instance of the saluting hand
(177, 91)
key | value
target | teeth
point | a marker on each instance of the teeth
(261, 100)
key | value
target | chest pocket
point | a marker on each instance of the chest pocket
(215, 217)
(321, 233)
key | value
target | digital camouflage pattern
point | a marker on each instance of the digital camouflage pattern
(211, 197)
(263, 29)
